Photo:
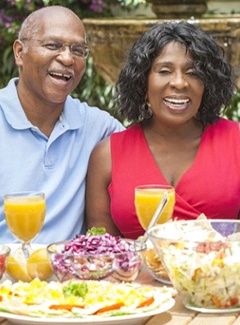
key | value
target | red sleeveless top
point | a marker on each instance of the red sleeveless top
(210, 186)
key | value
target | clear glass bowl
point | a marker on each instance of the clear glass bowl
(113, 266)
(4, 253)
(155, 266)
(202, 259)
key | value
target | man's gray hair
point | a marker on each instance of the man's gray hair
(30, 26)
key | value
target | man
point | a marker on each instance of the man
(46, 135)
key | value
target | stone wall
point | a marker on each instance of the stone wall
(110, 39)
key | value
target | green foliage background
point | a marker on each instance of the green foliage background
(93, 88)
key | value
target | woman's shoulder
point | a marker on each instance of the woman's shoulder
(132, 130)
(223, 124)
(223, 133)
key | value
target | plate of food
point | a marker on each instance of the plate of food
(82, 302)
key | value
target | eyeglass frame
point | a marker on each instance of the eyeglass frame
(62, 46)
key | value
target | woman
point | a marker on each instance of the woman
(174, 86)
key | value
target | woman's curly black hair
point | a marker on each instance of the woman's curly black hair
(209, 63)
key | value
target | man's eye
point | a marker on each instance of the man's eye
(53, 46)
(79, 51)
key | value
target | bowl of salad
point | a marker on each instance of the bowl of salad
(202, 259)
(96, 255)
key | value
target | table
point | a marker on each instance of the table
(178, 314)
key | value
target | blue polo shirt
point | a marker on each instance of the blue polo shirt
(56, 165)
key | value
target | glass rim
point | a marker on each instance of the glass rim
(151, 232)
(24, 194)
(4, 250)
(152, 186)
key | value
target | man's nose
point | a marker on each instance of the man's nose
(66, 53)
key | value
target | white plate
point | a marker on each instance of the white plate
(98, 320)
(114, 320)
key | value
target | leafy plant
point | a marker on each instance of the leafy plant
(233, 113)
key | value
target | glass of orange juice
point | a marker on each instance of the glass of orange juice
(25, 214)
(147, 199)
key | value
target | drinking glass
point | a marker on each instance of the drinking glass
(25, 214)
(147, 199)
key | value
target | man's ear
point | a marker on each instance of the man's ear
(18, 50)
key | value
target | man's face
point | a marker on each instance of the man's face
(51, 62)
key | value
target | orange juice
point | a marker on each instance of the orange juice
(147, 198)
(25, 216)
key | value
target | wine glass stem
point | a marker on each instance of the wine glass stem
(26, 247)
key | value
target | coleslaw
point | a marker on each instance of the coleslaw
(206, 279)
(203, 265)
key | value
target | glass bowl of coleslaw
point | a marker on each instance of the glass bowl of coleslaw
(94, 257)
(202, 259)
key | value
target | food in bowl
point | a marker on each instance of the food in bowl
(202, 258)
(4, 253)
(97, 256)
(155, 266)
(19, 268)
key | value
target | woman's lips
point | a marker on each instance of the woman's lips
(176, 103)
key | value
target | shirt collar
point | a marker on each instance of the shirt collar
(16, 117)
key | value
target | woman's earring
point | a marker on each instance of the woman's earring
(146, 110)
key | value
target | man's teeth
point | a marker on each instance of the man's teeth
(60, 75)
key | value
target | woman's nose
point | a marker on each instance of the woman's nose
(179, 80)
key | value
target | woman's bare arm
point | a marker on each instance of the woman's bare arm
(97, 197)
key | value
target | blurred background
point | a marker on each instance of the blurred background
(95, 87)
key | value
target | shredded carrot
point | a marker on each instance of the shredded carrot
(109, 308)
(146, 302)
(196, 272)
(66, 307)
(216, 302)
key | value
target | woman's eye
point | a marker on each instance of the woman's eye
(164, 71)
(192, 72)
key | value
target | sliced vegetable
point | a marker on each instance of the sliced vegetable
(109, 308)
(66, 307)
(146, 302)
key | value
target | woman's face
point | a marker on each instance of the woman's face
(174, 90)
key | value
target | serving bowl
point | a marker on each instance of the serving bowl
(202, 259)
(4, 253)
(93, 257)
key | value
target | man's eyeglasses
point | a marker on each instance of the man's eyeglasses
(79, 50)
